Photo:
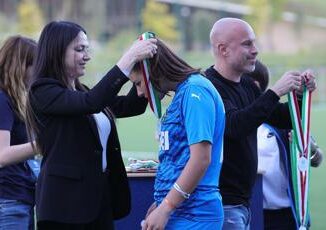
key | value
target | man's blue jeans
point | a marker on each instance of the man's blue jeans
(236, 217)
(15, 215)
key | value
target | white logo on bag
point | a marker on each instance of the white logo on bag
(164, 140)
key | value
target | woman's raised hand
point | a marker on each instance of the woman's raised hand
(140, 50)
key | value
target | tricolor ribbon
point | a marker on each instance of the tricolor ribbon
(300, 154)
(153, 98)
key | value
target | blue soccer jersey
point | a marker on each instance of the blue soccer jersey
(195, 114)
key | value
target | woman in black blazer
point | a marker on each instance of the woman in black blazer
(82, 183)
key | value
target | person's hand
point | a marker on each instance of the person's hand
(143, 49)
(309, 79)
(157, 218)
(140, 50)
(291, 80)
(316, 153)
(316, 157)
(151, 209)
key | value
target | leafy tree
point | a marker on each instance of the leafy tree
(264, 14)
(156, 17)
(277, 7)
(30, 19)
(259, 16)
(202, 24)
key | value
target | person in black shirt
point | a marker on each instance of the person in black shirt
(17, 181)
(234, 49)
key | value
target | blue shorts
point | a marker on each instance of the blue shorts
(15, 215)
(183, 223)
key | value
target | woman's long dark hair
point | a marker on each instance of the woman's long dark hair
(50, 63)
(166, 65)
(52, 46)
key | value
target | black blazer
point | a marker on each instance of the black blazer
(70, 185)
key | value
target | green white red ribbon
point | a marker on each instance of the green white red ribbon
(153, 98)
(300, 154)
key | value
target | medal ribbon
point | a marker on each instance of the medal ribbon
(300, 154)
(153, 98)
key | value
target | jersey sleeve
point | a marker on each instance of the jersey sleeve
(198, 110)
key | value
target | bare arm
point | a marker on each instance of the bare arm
(15, 153)
(200, 158)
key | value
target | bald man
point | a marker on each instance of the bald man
(235, 51)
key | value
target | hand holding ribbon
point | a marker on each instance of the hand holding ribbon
(300, 149)
(153, 96)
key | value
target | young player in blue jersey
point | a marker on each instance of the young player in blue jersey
(191, 146)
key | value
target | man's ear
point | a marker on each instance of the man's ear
(222, 49)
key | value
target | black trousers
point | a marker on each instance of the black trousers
(279, 219)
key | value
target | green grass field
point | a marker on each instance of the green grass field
(137, 140)
(318, 185)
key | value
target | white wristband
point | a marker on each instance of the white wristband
(184, 194)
